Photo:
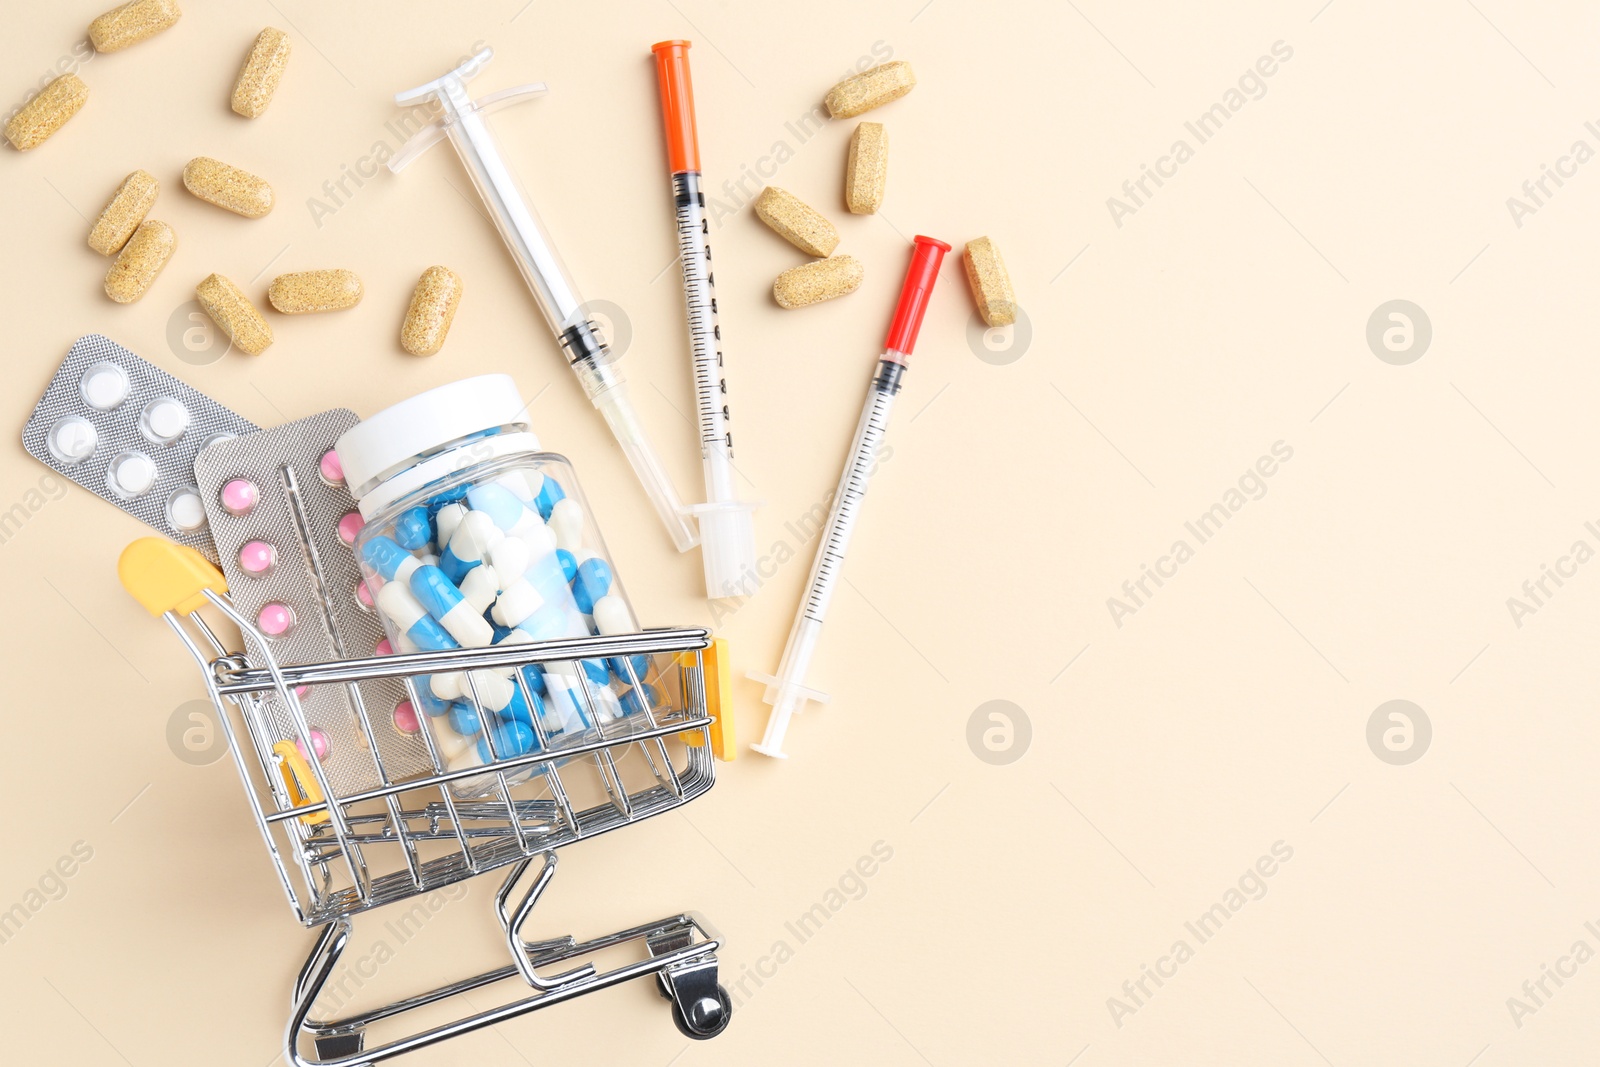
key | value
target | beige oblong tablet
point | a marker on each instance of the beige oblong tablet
(433, 308)
(870, 89)
(47, 112)
(991, 284)
(796, 222)
(258, 78)
(315, 290)
(819, 280)
(140, 260)
(132, 23)
(234, 314)
(866, 171)
(124, 212)
(229, 188)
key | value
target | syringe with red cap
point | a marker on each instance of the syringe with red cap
(787, 691)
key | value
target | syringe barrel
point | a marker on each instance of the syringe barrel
(510, 210)
(727, 531)
(705, 333)
(860, 464)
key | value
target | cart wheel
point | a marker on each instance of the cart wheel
(709, 1017)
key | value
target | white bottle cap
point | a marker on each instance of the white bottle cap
(389, 454)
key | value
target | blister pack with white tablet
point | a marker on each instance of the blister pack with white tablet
(129, 432)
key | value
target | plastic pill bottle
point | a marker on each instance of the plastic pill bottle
(475, 536)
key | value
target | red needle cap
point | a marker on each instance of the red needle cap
(927, 253)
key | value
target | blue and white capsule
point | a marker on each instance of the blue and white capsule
(469, 545)
(439, 596)
(522, 482)
(490, 688)
(412, 619)
(514, 518)
(550, 492)
(533, 674)
(593, 701)
(516, 604)
(511, 739)
(389, 559)
(465, 720)
(612, 617)
(510, 558)
(553, 621)
(630, 670)
(541, 584)
(564, 705)
(439, 501)
(566, 519)
(480, 587)
(413, 529)
(592, 582)
(445, 523)
(519, 710)
(427, 701)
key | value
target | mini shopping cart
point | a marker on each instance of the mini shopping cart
(341, 853)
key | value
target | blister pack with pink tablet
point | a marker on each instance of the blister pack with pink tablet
(283, 521)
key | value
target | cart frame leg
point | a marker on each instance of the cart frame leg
(682, 958)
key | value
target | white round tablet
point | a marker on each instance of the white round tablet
(72, 440)
(164, 420)
(104, 386)
(131, 474)
(185, 511)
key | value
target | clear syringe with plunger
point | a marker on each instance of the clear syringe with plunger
(461, 121)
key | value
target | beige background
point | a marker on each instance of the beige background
(1167, 755)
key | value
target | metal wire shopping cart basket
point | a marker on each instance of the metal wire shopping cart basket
(338, 854)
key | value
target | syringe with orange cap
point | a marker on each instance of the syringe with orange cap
(727, 533)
